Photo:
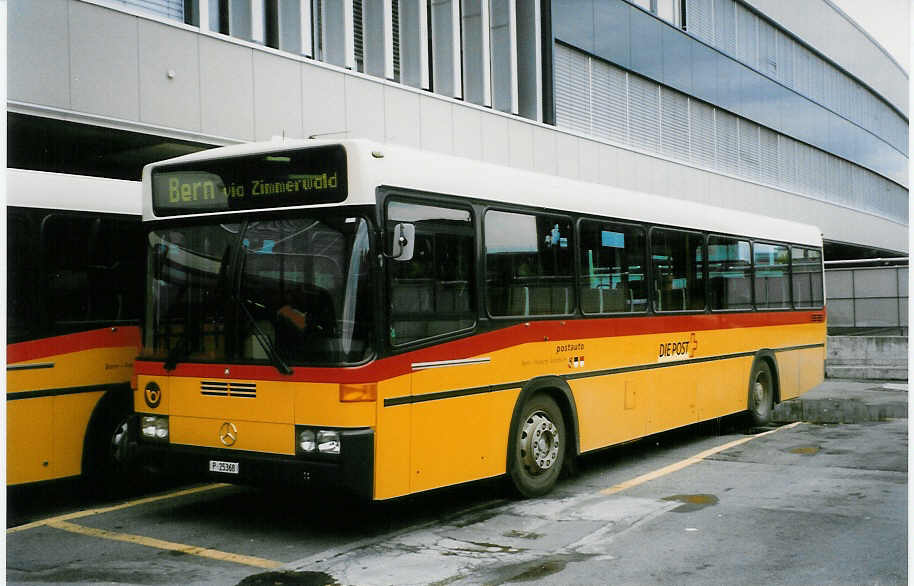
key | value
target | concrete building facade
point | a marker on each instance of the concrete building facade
(770, 106)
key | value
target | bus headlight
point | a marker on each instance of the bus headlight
(328, 442)
(313, 440)
(306, 441)
(154, 427)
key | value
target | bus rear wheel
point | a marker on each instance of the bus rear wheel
(538, 446)
(761, 394)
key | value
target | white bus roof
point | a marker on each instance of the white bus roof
(59, 191)
(372, 164)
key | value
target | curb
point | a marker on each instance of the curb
(837, 411)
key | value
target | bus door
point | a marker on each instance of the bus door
(454, 431)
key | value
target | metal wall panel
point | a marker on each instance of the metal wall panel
(40, 31)
(768, 141)
(104, 62)
(609, 102)
(702, 135)
(402, 116)
(226, 90)
(725, 26)
(727, 134)
(644, 113)
(436, 125)
(700, 19)
(494, 132)
(169, 76)
(467, 133)
(277, 97)
(173, 9)
(612, 26)
(674, 124)
(572, 89)
(365, 108)
(746, 36)
(749, 150)
(647, 49)
(323, 102)
(520, 145)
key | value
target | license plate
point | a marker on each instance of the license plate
(223, 467)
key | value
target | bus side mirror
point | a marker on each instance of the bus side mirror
(404, 239)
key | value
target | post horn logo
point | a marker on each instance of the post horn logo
(153, 395)
(693, 345)
(228, 434)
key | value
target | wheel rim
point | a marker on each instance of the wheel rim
(760, 393)
(118, 447)
(539, 443)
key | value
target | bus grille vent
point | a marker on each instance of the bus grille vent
(818, 318)
(228, 389)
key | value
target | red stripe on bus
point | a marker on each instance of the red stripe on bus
(101, 338)
(534, 331)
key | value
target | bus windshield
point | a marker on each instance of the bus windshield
(295, 290)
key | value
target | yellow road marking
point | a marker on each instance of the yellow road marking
(168, 545)
(688, 461)
(90, 512)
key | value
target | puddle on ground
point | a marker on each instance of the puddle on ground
(805, 450)
(290, 579)
(532, 572)
(692, 502)
(522, 534)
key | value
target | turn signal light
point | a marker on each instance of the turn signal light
(358, 393)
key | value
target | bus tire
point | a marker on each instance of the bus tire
(761, 394)
(106, 456)
(538, 454)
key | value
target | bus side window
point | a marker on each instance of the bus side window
(432, 294)
(806, 268)
(612, 265)
(678, 270)
(772, 276)
(22, 272)
(529, 264)
(730, 273)
(115, 266)
(65, 251)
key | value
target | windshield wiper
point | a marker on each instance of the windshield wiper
(264, 340)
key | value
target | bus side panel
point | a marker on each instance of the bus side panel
(611, 409)
(392, 442)
(45, 435)
(460, 439)
(71, 418)
(812, 371)
(722, 387)
(28, 440)
(788, 364)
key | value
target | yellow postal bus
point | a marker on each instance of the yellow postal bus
(74, 275)
(356, 315)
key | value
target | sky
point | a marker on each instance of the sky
(887, 21)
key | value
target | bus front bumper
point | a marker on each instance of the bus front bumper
(351, 471)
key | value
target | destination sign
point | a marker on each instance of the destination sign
(266, 180)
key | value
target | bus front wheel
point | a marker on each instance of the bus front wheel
(538, 446)
(761, 394)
